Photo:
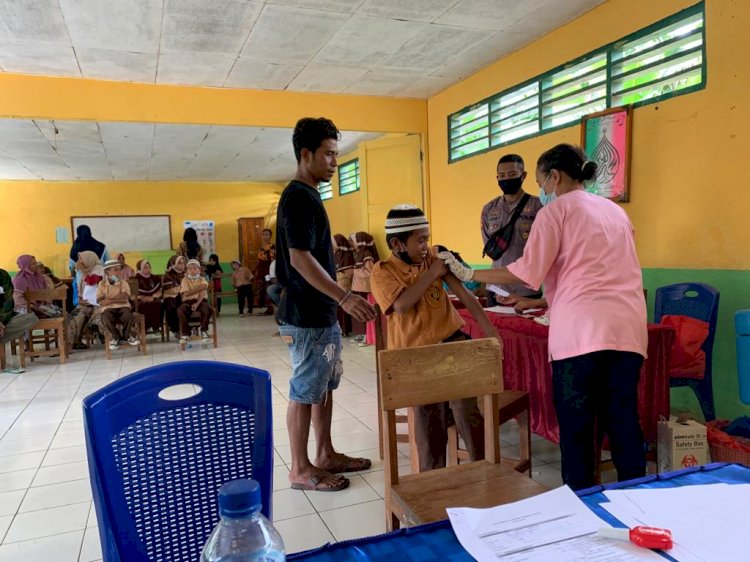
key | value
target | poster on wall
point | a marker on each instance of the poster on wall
(206, 236)
(605, 137)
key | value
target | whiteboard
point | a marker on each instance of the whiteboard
(129, 233)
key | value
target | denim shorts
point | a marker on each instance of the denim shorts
(316, 361)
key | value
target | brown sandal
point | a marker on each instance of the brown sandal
(325, 484)
(349, 464)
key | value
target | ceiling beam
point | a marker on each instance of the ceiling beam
(45, 97)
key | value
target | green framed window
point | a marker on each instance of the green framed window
(326, 190)
(349, 177)
(515, 114)
(575, 91)
(663, 60)
(469, 131)
(660, 63)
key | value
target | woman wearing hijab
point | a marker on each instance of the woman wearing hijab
(84, 242)
(149, 296)
(126, 272)
(344, 257)
(170, 285)
(30, 278)
(365, 258)
(189, 247)
(85, 314)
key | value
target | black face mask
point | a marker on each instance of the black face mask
(511, 186)
(404, 257)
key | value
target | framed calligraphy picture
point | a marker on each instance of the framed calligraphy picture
(605, 138)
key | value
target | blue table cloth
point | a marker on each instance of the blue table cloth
(437, 542)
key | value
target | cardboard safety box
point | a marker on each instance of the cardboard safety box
(681, 444)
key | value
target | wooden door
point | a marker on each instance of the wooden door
(394, 176)
(250, 232)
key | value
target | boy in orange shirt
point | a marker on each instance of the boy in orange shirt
(242, 281)
(408, 286)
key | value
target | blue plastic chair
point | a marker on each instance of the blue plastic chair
(156, 464)
(699, 301)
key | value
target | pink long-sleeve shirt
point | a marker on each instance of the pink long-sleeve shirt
(582, 248)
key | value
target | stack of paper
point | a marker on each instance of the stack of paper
(551, 527)
(708, 522)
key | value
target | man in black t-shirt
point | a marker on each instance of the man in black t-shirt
(307, 310)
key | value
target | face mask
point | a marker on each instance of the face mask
(113, 279)
(403, 255)
(196, 276)
(544, 197)
(510, 186)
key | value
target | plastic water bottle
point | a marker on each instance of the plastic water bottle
(243, 534)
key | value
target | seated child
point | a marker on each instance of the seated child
(408, 286)
(194, 294)
(170, 284)
(242, 281)
(113, 298)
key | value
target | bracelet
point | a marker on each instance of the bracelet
(345, 298)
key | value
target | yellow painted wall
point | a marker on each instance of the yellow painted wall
(76, 98)
(347, 213)
(689, 196)
(31, 211)
(391, 172)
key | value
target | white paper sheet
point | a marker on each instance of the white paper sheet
(89, 294)
(502, 309)
(551, 527)
(708, 522)
(624, 516)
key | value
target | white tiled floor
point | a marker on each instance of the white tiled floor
(45, 498)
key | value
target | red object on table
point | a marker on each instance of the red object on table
(526, 367)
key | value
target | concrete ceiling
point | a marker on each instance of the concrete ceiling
(88, 150)
(410, 48)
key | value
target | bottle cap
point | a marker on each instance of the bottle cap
(239, 498)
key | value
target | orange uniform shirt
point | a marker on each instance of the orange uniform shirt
(430, 321)
(242, 276)
(107, 290)
(192, 285)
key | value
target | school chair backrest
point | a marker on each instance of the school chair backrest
(49, 295)
(440, 373)
(158, 453)
(699, 301)
(133, 285)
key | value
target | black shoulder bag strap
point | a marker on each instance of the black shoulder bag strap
(499, 241)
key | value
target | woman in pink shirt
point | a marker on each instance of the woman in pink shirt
(582, 249)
